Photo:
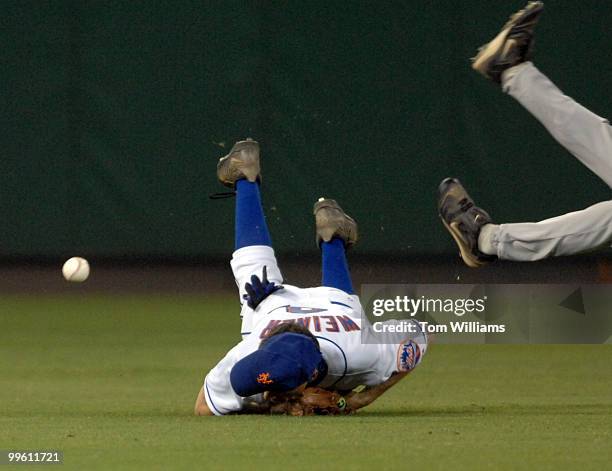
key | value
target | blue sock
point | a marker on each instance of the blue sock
(335, 267)
(251, 227)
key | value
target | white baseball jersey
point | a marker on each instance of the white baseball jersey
(335, 319)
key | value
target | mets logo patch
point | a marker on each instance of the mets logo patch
(408, 356)
(264, 378)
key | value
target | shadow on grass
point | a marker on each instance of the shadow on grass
(471, 410)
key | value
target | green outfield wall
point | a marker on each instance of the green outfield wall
(115, 112)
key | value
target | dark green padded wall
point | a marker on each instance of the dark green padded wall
(115, 113)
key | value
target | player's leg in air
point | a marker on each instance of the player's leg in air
(336, 232)
(253, 253)
(506, 61)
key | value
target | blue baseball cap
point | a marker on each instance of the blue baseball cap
(282, 363)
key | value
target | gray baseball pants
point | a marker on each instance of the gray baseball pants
(589, 138)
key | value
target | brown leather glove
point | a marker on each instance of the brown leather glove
(313, 401)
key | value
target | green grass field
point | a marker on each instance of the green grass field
(111, 381)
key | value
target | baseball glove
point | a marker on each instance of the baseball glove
(313, 401)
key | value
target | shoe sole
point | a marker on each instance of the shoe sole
(491, 51)
(245, 145)
(466, 254)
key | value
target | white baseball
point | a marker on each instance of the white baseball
(76, 269)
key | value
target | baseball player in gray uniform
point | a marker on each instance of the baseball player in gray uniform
(506, 60)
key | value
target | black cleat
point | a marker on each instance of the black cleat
(463, 220)
(513, 44)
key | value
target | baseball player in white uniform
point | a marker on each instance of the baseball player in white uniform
(506, 60)
(328, 344)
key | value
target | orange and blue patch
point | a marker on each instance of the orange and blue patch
(264, 378)
(409, 355)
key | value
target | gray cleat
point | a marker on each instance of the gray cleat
(241, 162)
(331, 221)
(513, 44)
(463, 219)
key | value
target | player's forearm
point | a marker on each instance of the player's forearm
(252, 407)
(249, 407)
(362, 399)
